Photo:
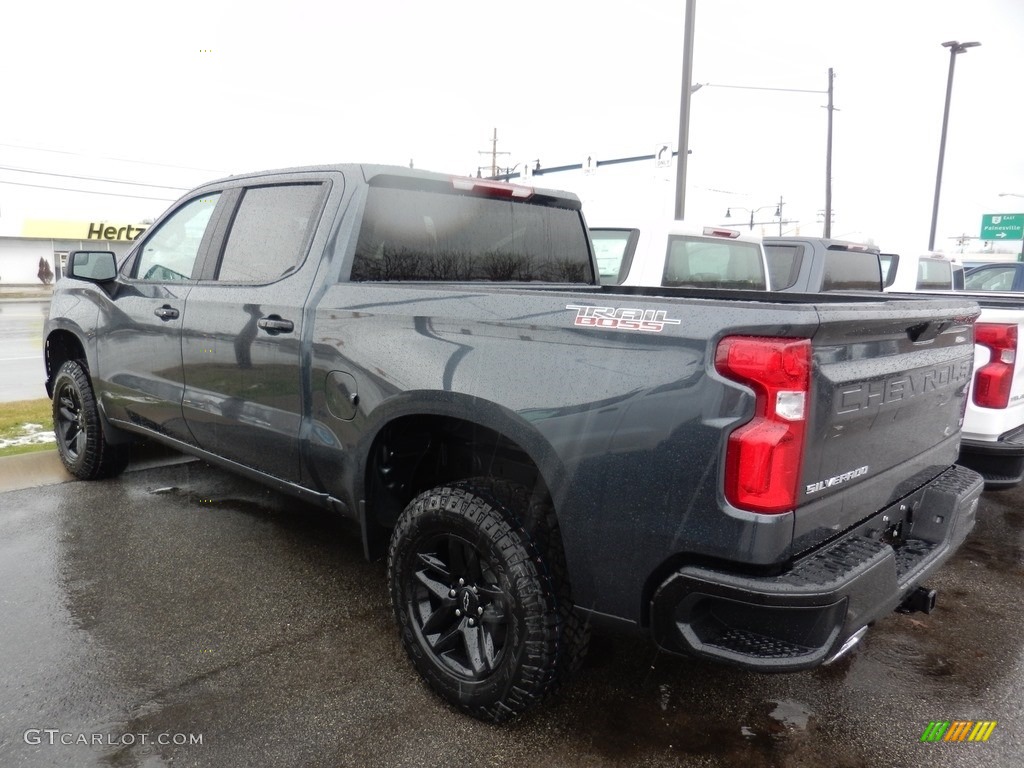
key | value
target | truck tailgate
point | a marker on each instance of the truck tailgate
(888, 393)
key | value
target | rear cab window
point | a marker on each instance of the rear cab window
(713, 263)
(934, 274)
(415, 229)
(851, 270)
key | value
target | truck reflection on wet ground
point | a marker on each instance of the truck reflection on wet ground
(186, 600)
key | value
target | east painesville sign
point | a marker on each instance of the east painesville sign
(1002, 226)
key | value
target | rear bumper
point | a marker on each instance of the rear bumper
(801, 618)
(1001, 462)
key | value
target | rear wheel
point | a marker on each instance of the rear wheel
(477, 606)
(81, 444)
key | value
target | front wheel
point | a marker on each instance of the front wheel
(477, 611)
(82, 446)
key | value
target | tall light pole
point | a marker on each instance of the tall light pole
(827, 229)
(684, 109)
(954, 49)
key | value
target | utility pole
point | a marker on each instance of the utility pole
(827, 232)
(494, 155)
(828, 147)
(684, 109)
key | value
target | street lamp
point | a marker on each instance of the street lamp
(954, 48)
(752, 211)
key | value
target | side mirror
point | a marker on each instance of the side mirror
(94, 266)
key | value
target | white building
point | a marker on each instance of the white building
(51, 241)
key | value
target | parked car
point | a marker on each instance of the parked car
(1005, 277)
(676, 254)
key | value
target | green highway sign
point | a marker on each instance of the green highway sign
(1002, 226)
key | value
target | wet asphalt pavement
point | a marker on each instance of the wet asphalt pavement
(180, 616)
(21, 349)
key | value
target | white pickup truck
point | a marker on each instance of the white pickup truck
(993, 430)
(927, 272)
(677, 254)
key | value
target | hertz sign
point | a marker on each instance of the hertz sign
(80, 230)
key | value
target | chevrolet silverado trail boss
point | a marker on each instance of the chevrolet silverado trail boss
(748, 477)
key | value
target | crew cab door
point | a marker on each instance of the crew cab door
(242, 353)
(139, 352)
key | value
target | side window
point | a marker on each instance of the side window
(170, 252)
(270, 233)
(784, 262)
(991, 279)
(610, 247)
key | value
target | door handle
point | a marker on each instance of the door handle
(274, 325)
(165, 312)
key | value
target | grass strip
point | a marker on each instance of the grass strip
(19, 421)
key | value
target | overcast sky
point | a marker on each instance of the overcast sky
(197, 90)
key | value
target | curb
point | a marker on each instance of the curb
(33, 470)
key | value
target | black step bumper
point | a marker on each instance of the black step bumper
(803, 617)
(1001, 463)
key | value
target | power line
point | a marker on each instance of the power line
(91, 178)
(760, 88)
(108, 157)
(85, 191)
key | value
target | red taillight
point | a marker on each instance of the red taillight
(492, 188)
(765, 455)
(993, 380)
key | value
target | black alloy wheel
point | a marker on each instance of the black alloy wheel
(476, 607)
(81, 443)
(69, 423)
(458, 606)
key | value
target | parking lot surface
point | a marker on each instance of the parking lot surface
(180, 616)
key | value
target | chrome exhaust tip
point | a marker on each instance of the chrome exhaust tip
(850, 642)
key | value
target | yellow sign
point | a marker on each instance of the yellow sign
(80, 230)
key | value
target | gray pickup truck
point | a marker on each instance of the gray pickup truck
(753, 478)
(821, 265)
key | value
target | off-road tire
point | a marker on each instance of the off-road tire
(481, 598)
(81, 444)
